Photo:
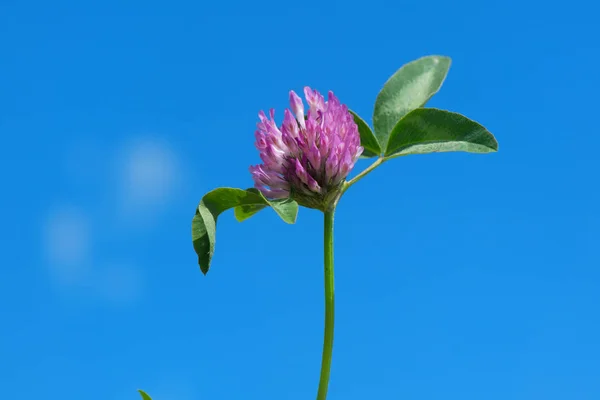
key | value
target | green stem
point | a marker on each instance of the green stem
(364, 173)
(329, 286)
(329, 305)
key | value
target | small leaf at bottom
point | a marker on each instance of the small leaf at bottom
(144, 395)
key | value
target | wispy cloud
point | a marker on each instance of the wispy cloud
(69, 248)
(67, 244)
(141, 178)
(147, 170)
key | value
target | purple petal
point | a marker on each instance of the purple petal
(314, 99)
(290, 143)
(297, 107)
(262, 116)
(301, 172)
(346, 163)
(332, 100)
(358, 153)
(313, 185)
(314, 157)
(261, 141)
(290, 124)
(332, 166)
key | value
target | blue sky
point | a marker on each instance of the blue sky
(459, 276)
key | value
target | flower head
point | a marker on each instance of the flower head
(308, 157)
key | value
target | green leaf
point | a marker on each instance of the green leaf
(408, 89)
(213, 203)
(430, 130)
(367, 138)
(287, 209)
(244, 212)
(144, 395)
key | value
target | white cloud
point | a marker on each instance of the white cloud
(139, 181)
(66, 240)
(148, 173)
(67, 243)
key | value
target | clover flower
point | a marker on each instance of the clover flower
(308, 157)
